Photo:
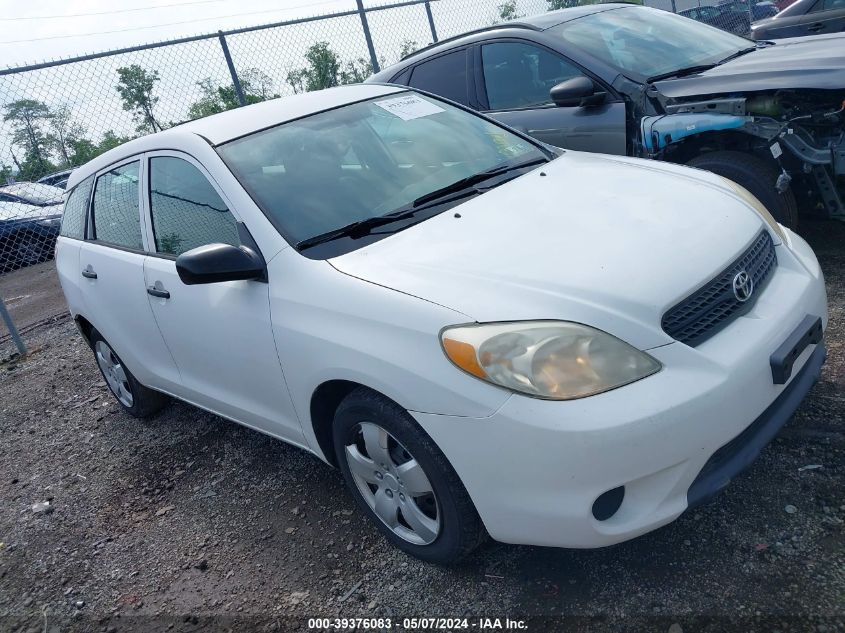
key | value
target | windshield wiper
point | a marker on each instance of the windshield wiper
(364, 227)
(739, 53)
(461, 188)
(469, 181)
(682, 72)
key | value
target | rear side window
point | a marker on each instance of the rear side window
(115, 212)
(76, 208)
(445, 76)
(187, 212)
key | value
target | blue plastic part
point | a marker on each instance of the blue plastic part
(660, 131)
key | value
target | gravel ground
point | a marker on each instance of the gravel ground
(188, 522)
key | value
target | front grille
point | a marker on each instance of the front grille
(708, 310)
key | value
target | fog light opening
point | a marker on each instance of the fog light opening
(608, 503)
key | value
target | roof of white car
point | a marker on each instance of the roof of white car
(233, 124)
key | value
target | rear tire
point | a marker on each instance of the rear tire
(133, 397)
(425, 511)
(756, 175)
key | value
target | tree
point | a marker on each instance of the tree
(5, 174)
(356, 71)
(28, 117)
(135, 87)
(564, 4)
(64, 132)
(322, 71)
(507, 11)
(256, 86)
(407, 47)
(81, 150)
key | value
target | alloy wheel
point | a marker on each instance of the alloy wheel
(393, 483)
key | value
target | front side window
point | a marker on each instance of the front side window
(366, 160)
(648, 42)
(187, 211)
(521, 75)
(445, 76)
(115, 211)
(76, 208)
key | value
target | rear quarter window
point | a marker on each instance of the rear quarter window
(76, 209)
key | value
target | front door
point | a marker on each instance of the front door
(219, 334)
(826, 16)
(516, 78)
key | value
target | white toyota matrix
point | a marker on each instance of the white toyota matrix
(487, 336)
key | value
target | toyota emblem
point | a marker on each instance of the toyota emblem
(743, 286)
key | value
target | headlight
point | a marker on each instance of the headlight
(751, 200)
(557, 360)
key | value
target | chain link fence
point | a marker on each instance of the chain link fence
(57, 115)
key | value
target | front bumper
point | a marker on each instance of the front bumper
(535, 468)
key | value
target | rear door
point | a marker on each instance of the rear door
(111, 271)
(219, 334)
(513, 80)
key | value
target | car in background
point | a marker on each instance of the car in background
(57, 179)
(486, 335)
(804, 17)
(725, 17)
(637, 81)
(33, 193)
(27, 233)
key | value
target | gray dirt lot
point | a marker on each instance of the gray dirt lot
(188, 522)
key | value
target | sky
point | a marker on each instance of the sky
(39, 30)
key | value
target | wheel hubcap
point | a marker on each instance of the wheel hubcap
(393, 484)
(114, 373)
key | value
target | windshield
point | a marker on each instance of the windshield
(365, 160)
(35, 192)
(643, 42)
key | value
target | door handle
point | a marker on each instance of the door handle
(818, 26)
(158, 292)
(89, 273)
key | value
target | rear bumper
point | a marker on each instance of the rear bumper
(738, 454)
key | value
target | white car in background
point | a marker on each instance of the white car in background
(485, 336)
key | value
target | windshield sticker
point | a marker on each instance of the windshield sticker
(408, 107)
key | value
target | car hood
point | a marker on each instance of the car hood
(796, 63)
(608, 241)
(18, 211)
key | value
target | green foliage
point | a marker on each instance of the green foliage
(507, 12)
(28, 118)
(322, 71)
(5, 173)
(565, 4)
(356, 71)
(256, 86)
(64, 132)
(170, 243)
(407, 47)
(135, 87)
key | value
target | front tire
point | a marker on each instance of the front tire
(756, 175)
(133, 397)
(402, 480)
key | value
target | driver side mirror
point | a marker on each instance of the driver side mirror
(578, 91)
(214, 263)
